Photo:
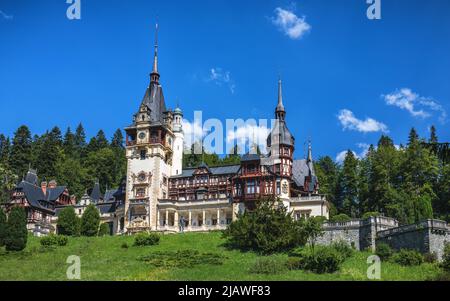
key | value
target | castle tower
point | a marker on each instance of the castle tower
(178, 142)
(149, 153)
(280, 144)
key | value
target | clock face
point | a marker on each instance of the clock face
(141, 135)
(141, 177)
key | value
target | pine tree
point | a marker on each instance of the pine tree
(48, 156)
(5, 149)
(433, 136)
(102, 142)
(349, 185)
(68, 222)
(69, 143)
(56, 136)
(117, 140)
(80, 141)
(2, 227)
(327, 172)
(21, 151)
(16, 230)
(90, 221)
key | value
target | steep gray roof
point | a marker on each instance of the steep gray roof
(95, 194)
(300, 170)
(154, 100)
(109, 195)
(280, 135)
(31, 177)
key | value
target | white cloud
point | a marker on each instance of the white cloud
(364, 148)
(193, 132)
(290, 24)
(5, 16)
(416, 105)
(249, 132)
(349, 121)
(221, 77)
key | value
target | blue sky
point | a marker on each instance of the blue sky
(346, 79)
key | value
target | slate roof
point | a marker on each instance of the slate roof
(154, 100)
(220, 170)
(300, 170)
(31, 177)
(95, 194)
(35, 196)
(110, 195)
(107, 207)
(280, 131)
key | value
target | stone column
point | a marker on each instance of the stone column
(167, 218)
(190, 219)
(204, 219)
(218, 217)
(158, 219)
(175, 221)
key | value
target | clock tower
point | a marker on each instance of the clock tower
(149, 152)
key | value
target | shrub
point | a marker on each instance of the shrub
(268, 265)
(269, 228)
(430, 257)
(104, 230)
(343, 248)
(324, 260)
(68, 222)
(370, 214)
(407, 257)
(90, 221)
(340, 218)
(16, 230)
(54, 240)
(446, 258)
(124, 245)
(182, 259)
(146, 239)
(2, 227)
(383, 251)
(294, 263)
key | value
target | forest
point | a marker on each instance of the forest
(408, 182)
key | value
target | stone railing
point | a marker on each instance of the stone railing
(351, 223)
(427, 224)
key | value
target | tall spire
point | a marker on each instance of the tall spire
(279, 111)
(154, 76)
(309, 158)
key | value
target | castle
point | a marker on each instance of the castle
(158, 193)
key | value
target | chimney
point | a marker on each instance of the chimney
(44, 187)
(73, 199)
(52, 184)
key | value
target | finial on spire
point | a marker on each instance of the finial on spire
(154, 76)
(279, 111)
(155, 58)
(309, 159)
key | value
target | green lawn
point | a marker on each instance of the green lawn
(103, 258)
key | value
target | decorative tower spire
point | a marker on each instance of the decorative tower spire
(309, 159)
(279, 111)
(154, 76)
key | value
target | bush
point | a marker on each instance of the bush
(407, 257)
(344, 249)
(124, 245)
(324, 260)
(90, 221)
(104, 230)
(383, 251)
(146, 239)
(54, 240)
(294, 263)
(16, 230)
(340, 218)
(268, 266)
(68, 222)
(446, 258)
(430, 257)
(370, 214)
(182, 259)
(267, 229)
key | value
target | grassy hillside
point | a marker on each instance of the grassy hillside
(104, 258)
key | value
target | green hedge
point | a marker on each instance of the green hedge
(146, 239)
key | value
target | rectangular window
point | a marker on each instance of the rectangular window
(143, 154)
